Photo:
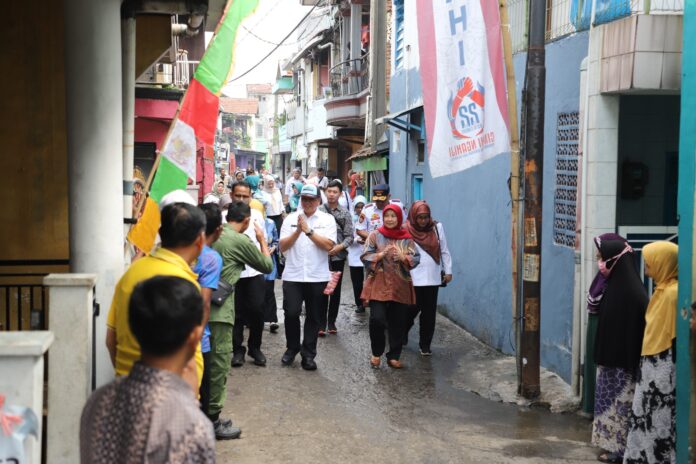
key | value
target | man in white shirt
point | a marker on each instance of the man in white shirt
(249, 292)
(296, 176)
(306, 238)
(322, 180)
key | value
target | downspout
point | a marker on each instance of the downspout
(581, 316)
(128, 106)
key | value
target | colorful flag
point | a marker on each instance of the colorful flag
(463, 76)
(196, 119)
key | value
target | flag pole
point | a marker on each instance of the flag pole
(514, 173)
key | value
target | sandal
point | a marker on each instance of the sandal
(610, 457)
(395, 364)
(374, 362)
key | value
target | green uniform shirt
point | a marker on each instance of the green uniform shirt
(236, 250)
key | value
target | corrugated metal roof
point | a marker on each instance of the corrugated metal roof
(239, 105)
(259, 89)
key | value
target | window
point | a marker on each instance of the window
(259, 130)
(565, 195)
(399, 33)
(416, 188)
(420, 156)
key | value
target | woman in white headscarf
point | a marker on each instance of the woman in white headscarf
(274, 204)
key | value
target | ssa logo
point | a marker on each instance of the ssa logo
(465, 109)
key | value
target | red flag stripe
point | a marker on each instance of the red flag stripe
(200, 110)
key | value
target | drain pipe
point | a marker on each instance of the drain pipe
(582, 316)
(128, 105)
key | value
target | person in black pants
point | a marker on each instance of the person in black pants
(305, 238)
(434, 270)
(249, 296)
(357, 270)
(337, 255)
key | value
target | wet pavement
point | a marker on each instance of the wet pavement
(346, 412)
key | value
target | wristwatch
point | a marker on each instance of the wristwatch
(309, 234)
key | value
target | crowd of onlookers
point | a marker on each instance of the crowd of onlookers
(177, 321)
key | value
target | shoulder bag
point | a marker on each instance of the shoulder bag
(223, 292)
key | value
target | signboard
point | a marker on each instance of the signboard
(463, 76)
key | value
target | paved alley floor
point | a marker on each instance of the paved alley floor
(346, 412)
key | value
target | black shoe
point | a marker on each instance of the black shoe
(226, 431)
(258, 357)
(288, 358)
(274, 327)
(332, 328)
(360, 310)
(238, 359)
(308, 364)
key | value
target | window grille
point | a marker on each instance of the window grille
(565, 195)
(517, 12)
(399, 33)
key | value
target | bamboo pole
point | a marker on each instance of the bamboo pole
(514, 165)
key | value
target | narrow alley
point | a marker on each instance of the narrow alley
(346, 412)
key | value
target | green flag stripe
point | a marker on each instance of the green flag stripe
(168, 178)
(215, 66)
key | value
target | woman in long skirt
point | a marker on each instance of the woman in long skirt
(652, 426)
(619, 299)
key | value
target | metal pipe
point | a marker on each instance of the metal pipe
(128, 45)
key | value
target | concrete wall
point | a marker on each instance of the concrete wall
(473, 205)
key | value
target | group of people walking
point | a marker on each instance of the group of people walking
(631, 339)
(245, 236)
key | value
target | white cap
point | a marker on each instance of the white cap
(177, 196)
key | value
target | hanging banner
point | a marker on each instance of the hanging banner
(463, 79)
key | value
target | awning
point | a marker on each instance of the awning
(394, 120)
(310, 45)
(372, 163)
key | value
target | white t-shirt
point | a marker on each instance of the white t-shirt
(427, 273)
(305, 261)
(256, 217)
(355, 250)
(323, 183)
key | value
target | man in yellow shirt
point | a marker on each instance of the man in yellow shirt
(182, 232)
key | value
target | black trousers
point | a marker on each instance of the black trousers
(270, 307)
(392, 317)
(278, 220)
(332, 302)
(249, 294)
(357, 277)
(205, 383)
(311, 294)
(426, 304)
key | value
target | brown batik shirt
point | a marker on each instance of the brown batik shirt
(389, 279)
(150, 416)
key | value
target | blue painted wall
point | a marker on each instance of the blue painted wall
(474, 207)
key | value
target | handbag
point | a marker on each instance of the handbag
(220, 295)
(442, 272)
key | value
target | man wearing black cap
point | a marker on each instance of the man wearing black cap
(371, 216)
(306, 238)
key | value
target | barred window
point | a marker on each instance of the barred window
(565, 195)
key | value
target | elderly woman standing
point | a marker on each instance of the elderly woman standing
(274, 204)
(652, 425)
(618, 298)
(435, 269)
(389, 256)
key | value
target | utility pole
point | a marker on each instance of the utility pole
(535, 83)
(378, 74)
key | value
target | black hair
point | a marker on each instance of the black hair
(241, 183)
(213, 217)
(181, 225)
(335, 183)
(162, 313)
(320, 169)
(238, 212)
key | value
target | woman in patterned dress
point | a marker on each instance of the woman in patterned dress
(652, 426)
(389, 256)
(619, 299)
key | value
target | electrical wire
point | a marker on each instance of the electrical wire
(277, 46)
